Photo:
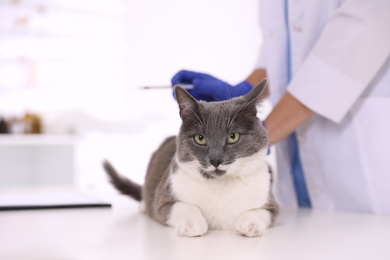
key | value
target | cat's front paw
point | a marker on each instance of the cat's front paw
(191, 227)
(187, 220)
(250, 225)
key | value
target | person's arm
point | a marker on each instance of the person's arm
(286, 116)
(256, 77)
(333, 70)
(350, 51)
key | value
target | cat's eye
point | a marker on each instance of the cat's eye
(200, 139)
(233, 138)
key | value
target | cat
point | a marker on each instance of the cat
(213, 175)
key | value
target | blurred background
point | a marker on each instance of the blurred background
(71, 73)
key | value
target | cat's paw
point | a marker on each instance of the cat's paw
(187, 220)
(191, 227)
(250, 226)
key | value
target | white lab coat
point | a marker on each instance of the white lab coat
(341, 70)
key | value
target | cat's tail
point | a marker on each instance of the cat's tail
(123, 184)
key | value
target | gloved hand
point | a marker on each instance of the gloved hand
(208, 88)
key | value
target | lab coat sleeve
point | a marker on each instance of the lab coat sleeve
(350, 51)
(260, 63)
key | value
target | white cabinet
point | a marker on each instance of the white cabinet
(36, 160)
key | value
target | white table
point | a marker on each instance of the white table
(123, 233)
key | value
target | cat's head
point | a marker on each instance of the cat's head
(217, 138)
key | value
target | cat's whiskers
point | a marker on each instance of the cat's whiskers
(198, 123)
(277, 181)
(201, 123)
(168, 159)
(228, 122)
(241, 107)
(227, 91)
(237, 166)
(234, 116)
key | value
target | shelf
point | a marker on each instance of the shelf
(37, 139)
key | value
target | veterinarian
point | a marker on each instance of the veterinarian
(329, 81)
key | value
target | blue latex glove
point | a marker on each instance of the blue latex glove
(208, 88)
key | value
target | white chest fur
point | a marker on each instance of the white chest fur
(222, 200)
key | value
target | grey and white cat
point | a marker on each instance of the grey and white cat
(213, 175)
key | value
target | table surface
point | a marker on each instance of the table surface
(121, 232)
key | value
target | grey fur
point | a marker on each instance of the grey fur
(214, 120)
(124, 185)
(272, 206)
(158, 199)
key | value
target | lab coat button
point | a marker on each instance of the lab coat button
(297, 27)
(300, 138)
(316, 191)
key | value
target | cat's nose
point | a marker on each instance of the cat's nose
(216, 162)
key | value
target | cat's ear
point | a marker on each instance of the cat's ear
(254, 96)
(188, 105)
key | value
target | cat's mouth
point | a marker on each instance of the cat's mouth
(218, 172)
(212, 174)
